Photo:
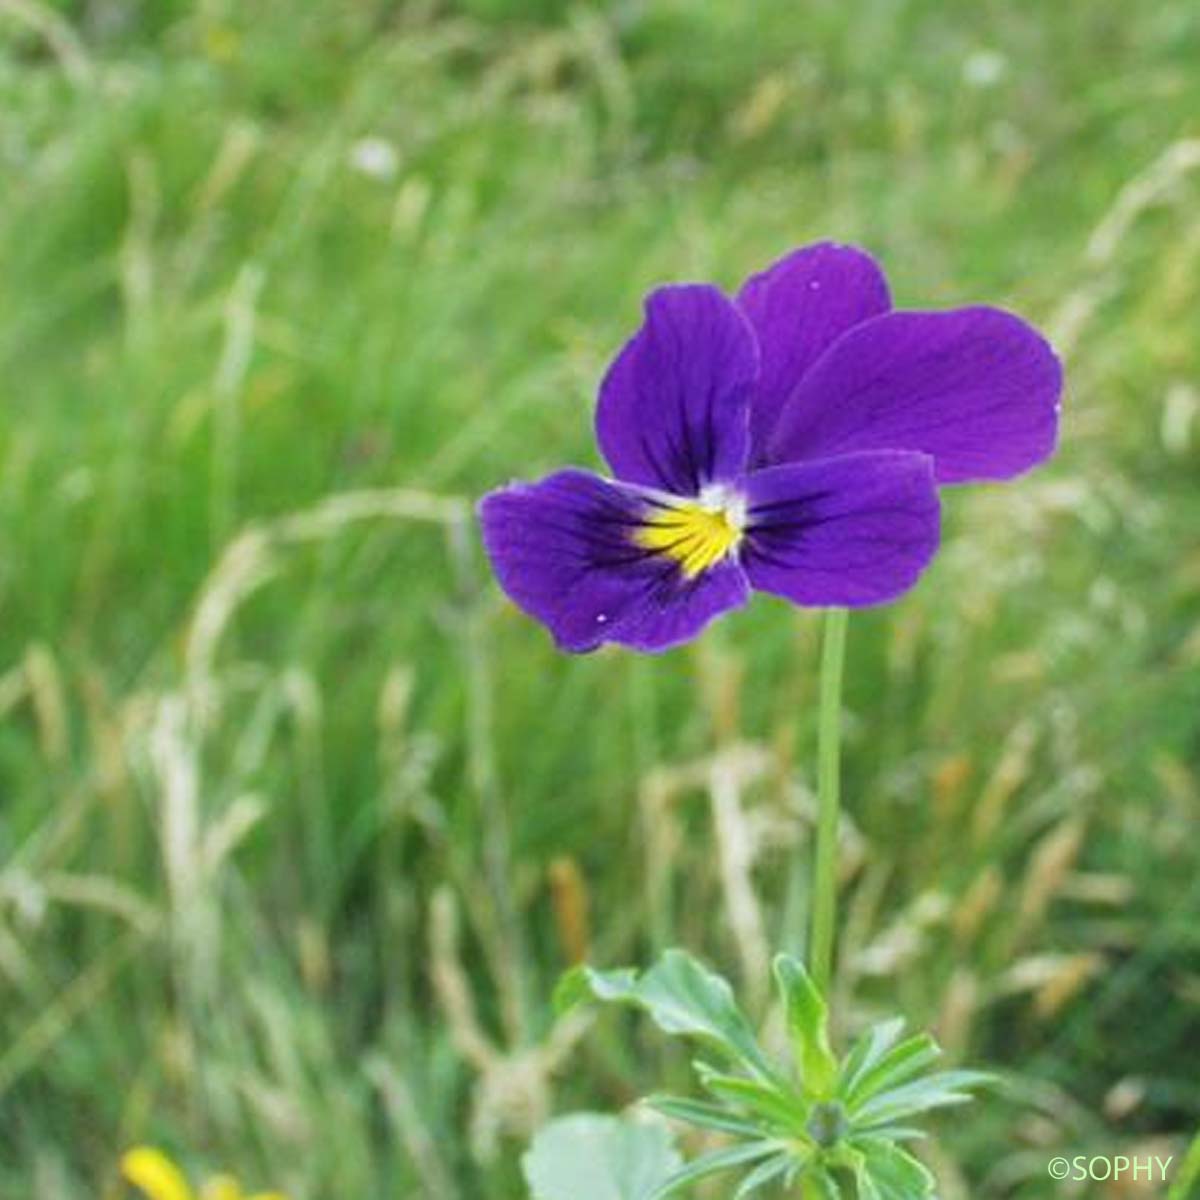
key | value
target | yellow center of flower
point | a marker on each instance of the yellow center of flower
(695, 533)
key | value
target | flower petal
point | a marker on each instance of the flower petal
(799, 306)
(154, 1174)
(674, 406)
(975, 388)
(847, 531)
(567, 551)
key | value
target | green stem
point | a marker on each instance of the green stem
(829, 736)
(1188, 1174)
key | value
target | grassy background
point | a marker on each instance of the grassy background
(299, 821)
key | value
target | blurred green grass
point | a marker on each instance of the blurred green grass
(260, 749)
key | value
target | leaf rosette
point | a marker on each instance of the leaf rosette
(840, 1126)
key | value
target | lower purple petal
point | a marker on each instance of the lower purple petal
(564, 550)
(977, 389)
(841, 532)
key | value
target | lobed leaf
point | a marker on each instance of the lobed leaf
(702, 1114)
(900, 1133)
(714, 1162)
(766, 1172)
(682, 997)
(786, 1112)
(896, 1066)
(884, 1171)
(586, 983)
(587, 1156)
(808, 1025)
(866, 1053)
(936, 1091)
(822, 1183)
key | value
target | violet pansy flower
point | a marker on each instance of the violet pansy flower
(791, 440)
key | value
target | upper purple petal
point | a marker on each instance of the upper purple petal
(848, 531)
(976, 388)
(673, 408)
(799, 306)
(563, 550)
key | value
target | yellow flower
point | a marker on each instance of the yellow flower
(158, 1178)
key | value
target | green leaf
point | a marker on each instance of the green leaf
(710, 1164)
(866, 1183)
(787, 1112)
(587, 1156)
(886, 1172)
(898, 1065)
(866, 1053)
(1188, 1174)
(903, 1133)
(702, 1114)
(808, 1024)
(683, 997)
(936, 1091)
(766, 1172)
(583, 983)
(822, 1183)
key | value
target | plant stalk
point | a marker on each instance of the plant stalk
(829, 737)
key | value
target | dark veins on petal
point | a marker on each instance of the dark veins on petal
(774, 528)
(688, 467)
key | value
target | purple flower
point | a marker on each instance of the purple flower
(791, 441)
